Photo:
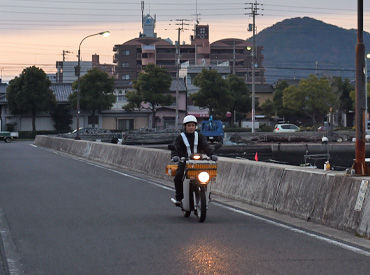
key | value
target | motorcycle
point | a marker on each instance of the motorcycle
(200, 173)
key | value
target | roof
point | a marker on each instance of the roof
(146, 41)
(289, 81)
(262, 88)
(229, 42)
(173, 86)
(61, 91)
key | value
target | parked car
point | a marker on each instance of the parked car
(8, 136)
(285, 128)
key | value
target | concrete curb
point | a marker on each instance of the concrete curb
(328, 198)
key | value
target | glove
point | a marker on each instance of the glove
(175, 159)
(214, 158)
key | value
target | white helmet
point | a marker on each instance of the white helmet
(190, 118)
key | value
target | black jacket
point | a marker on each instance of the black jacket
(180, 148)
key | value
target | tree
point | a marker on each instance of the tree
(30, 93)
(61, 114)
(267, 108)
(353, 96)
(342, 88)
(278, 98)
(96, 92)
(213, 92)
(240, 100)
(151, 87)
(313, 97)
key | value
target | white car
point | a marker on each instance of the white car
(285, 128)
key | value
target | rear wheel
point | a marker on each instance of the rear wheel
(200, 208)
(7, 139)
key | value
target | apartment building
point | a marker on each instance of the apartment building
(131, 56)
(66, 72)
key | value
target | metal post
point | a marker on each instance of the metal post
(360, 164)
(253, 75)
(177, 78)
(254, 11)
(78, 92)
(366, 113)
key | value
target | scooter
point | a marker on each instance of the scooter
(200, 173)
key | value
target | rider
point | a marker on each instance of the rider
(187, 143)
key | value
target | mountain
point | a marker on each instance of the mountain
(299, 46)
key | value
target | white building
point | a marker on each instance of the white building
(66, 70)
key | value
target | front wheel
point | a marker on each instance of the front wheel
(201, 205)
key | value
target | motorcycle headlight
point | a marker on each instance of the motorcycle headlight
(203, 177)
(196, 157)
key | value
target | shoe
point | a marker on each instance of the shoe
(176, 202)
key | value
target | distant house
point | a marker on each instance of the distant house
(3, 87)
(114, 119)
(43, 120)
(263, 92)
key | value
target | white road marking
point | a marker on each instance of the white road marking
(245, 213)
(294, 229)
(33, 145)
(129, 176)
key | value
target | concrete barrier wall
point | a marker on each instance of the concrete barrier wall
(253, 182)
(324, 197)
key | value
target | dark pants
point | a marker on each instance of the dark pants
(179, 181)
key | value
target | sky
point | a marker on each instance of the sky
(36, 32)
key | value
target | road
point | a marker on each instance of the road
(61, 215)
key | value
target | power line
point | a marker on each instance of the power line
(106, 9)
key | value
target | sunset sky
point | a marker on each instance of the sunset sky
(35, 32)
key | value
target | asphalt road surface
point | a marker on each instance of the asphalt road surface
(61, 215)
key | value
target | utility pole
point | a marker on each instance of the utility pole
(234, 58)
(254, 11)
(181, 25)
(64, 55)
(360, 165)
(142, 14)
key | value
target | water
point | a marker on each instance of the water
(340, 157)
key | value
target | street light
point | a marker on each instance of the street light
(78, 72)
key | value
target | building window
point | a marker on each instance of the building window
(125, 124)
(126, 77)
(125, 64)
(126, 52)
(120, 98)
